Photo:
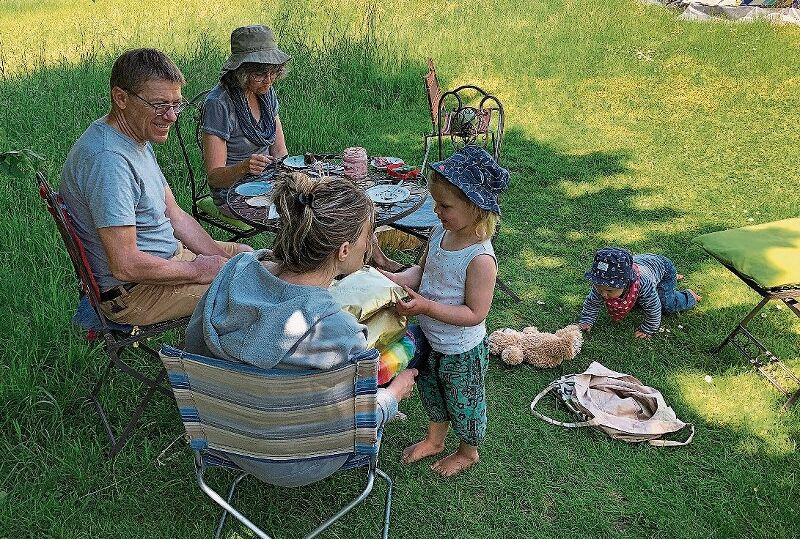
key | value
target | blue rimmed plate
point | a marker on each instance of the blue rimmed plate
(253, 189)
(295, 162)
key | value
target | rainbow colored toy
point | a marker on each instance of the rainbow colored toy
(395, 357)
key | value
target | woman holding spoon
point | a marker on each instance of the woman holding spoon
(242, 132)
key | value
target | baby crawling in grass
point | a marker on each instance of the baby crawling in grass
(621, 281)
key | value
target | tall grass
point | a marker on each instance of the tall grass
(625, 126)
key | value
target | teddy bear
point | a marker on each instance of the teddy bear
(544, 350)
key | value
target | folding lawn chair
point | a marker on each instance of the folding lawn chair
(116, 338)
(203, 207)
(231, 410)
(766, 258)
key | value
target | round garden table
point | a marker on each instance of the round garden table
(258, 216)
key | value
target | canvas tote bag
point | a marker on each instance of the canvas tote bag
(618, 404)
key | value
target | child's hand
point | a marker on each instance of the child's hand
(412, 304)
(585, 327)
(641, 334)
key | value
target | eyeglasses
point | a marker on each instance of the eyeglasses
(162, 108)
(266, 75)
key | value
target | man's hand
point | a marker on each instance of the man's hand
(403, 383)
(256, 163)
(244, 248)
(641, 334)
(585, 327)
(208, 266)
(412, 304)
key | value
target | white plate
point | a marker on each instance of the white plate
(258, 202)
(388, 194)
(251, 189)
(295, 162)
(386, 162)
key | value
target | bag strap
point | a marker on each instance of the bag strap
(671, 443)
(545, 391)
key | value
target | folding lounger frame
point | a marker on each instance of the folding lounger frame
(754, 350)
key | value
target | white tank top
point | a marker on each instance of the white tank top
(443, 281)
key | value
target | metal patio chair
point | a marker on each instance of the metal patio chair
(765, 257)
(117, 339)
(467, 114)
(232, 410)
(203, 207)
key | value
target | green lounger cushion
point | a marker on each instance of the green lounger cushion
(206, 204)
(769, 254)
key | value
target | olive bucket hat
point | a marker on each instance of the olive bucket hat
(256, 44)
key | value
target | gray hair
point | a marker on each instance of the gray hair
(135, 67)
(317, 217)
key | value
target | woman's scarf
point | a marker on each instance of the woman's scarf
(263, 132)
(618, 308)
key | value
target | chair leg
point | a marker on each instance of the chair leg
(153, 385)
(133, 422)
(230, 498)
(93, 397)
(740, 326)
(346, 509)
(505, 288)
(219, 500)
(388, 506)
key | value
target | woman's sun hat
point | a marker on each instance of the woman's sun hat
(613, 267)
(476, 174)
(256, 44)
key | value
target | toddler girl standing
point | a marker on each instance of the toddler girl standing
(455, 280)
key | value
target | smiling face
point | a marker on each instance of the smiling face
(141, 123)
(453, 208)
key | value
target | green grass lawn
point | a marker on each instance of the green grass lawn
(624, 126)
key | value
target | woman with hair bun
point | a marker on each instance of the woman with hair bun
(279, 313)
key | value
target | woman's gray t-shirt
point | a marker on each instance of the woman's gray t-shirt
(219, 119)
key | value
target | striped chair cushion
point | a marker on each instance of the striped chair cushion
(276, 414)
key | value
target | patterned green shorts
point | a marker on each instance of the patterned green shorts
(452, 389)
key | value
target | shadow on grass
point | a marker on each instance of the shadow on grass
(560, 208)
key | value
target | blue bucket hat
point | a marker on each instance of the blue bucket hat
(476, 174)
(612, 266)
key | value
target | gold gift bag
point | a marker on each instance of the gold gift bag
(370, 296)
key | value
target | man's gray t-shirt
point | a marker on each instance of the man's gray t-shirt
(219, 118)
(111, 180)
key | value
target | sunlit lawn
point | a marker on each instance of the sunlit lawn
(624, 126)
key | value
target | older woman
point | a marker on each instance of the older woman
(242, 132)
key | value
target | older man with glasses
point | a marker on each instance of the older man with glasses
(152, 261)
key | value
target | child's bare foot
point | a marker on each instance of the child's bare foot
(420, 450)
(464, 458)
(697, 297)
(679, 277)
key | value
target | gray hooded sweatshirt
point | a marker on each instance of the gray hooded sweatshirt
(249, 315)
